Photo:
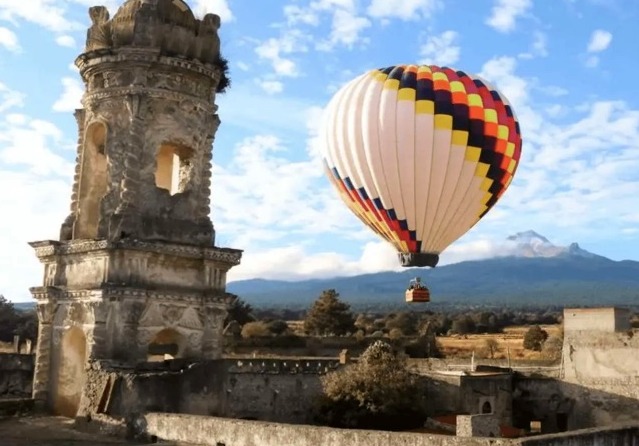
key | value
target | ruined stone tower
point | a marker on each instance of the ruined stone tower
(136, 265)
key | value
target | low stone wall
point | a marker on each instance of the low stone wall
(193, 429)
(16, 375)
(621, 435)
(226, 432)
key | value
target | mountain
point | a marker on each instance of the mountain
(529, 271)
(531, 244)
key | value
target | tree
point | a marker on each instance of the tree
(552, 347)
(463, 325)
(255, 330)
(491, 347)
(534, 338)
(376, 392)
(277, 327)
(405, 322)
(329, 316)
(8, 320)
(240, 311)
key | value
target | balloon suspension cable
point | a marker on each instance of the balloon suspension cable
(418, 259)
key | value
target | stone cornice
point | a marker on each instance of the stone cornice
(49, 248)
(90, 60)
(122, 92)
(44, 294)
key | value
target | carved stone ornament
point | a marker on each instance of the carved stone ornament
(99, 35)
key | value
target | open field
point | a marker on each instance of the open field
(511, 339)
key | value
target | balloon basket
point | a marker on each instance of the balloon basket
(417, 295)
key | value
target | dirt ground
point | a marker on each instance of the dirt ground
(49, 431)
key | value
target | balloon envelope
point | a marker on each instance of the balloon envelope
(420, 154)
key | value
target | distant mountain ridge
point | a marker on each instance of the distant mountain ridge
(529, 270)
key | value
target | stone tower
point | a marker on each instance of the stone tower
(136, 266)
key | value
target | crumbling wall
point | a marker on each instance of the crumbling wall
(16, 375)
(282, 390)
(548, 401)
(600, 371)
(121, 391)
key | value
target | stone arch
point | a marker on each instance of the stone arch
(93, 181)
(71, 372)
(166, 344)
(486, 407)
(173, 167)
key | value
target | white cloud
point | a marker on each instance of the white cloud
(538, 48)
(268, 198)
(284, 113)
(275, 49)
(36, 179)
(295, 263)
(219, 7)
(592, 61)
(243, 66)
(9, 39)
(271, 87)
(346, 30)
(441, 50)
(505, 13)
(403, 9)
(49, 14)
(65, 40)
(297, 15)
(9, 98)
(599, 41)
(72, 93)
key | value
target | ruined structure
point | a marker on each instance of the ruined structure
(136, 266)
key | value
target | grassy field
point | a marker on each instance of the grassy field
(511, 339)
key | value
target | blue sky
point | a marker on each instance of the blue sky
(567, 66)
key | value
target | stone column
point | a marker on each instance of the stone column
(42, 375)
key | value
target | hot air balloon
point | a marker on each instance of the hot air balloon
(420, 154)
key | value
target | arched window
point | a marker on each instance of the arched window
(486, 407)
(166, 344)
(173, 167)
(93, 182)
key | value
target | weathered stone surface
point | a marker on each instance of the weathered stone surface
(136, 269)
(220, 431)
(167, 25)
(480, 425)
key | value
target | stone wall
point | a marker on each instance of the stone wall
(618, 435)
(282, 390)
(483, 425)
(225, 432)
(16, 375)
(278, 390)
(600, 373)
(596, 319)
